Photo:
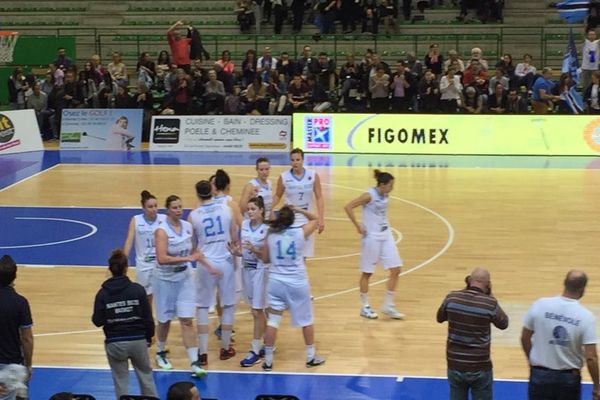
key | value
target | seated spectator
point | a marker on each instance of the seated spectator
(57, 74)
(475, 76)
(71, 97)
(86, 88)
(249, 67)
(506, 64)
(591, 95)
(377, 62)
(542, 97)
(516, 104)
(379, 89)
(163, 64)
(233, 102)
(370, 17)
(277, 93)
(62, 61)
(499, 77)
(451, 92)
(171, 79)
(38, 101)
(498, 99)
(429, 93)
(350, 78)
(324, 71)
(477, 54)
(118, 70)
(455, 66)
(298, 94)
(256, 97)
(319, 101)
(107, 90)
(285, 67)
(245, 15)
(453, 56)
(403, 88)
(17, 86)
(226, 63)
(305, 64)
(146, 71)
(472, 102)
(48, 83)
(561, 89)
(124, 99)
(387, 15)
(183, 391)
(224, 77)
(266, 64)
(98, 70)
(434, 60)
(214, 97)
(525, 72)
(180, 98)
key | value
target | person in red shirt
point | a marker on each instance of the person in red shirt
(180, 47)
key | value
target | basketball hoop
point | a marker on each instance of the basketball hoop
(8, 40)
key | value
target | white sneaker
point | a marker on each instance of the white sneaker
(392, 312)
(197, 370)
(368, 312)
(162, 361)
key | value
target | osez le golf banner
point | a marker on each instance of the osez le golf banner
(101, 129)
(448, 134)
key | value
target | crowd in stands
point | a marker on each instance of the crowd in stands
(268, 84)
(365, 16)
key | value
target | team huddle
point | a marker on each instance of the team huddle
(250, 249)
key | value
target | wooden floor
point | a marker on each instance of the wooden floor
(528, 227)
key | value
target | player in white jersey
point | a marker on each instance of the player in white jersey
(288, 286)
(298, 185)
(254, 272)
(141, 229)
(377, 243)
(174, 290)
(214, 226)
(259, 186)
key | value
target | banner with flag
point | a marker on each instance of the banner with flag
(573, 11)
(570, 62)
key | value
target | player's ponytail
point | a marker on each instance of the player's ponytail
(221, 180)
(145, 196)
(383, 178)
(283, 220)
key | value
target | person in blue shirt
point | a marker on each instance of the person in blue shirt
(542, 97)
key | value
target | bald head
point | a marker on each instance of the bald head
(575, 282)
(480, 275)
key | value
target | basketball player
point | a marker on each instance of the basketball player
(141, 228)
(174, 290)
(298, 184)
(254, 273)
(288, 286)
(259, 186)
(214, 226)
(377, 243)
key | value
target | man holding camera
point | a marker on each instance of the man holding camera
(469, 313)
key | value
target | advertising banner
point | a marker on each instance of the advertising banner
(577, 135)
(221, 133)
(101, 129)
(19, 132)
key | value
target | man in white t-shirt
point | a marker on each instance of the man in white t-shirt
(564, 335)
(589, 57)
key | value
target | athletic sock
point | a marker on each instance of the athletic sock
(310, 352)
(203, 342)
(225, 339)
(269, 355)
(364, 299)
(256, 345)
(161, 346)
(389, 298)
(192, 353)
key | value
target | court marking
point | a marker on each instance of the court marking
(94, 229)
(29, 177)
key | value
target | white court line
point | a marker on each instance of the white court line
(29, 177)
(26, 246)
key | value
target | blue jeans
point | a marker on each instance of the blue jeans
(10, 395)
(480, 383)
(545, 384)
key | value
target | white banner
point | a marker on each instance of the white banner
(101, 129)
(221, 133)
(19, 132)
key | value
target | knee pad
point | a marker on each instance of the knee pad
(274, 320)
(202, 316)
(227, 315)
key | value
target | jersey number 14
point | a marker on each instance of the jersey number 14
(285, 248)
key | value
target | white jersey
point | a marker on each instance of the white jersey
(256, 236)
(589, 56)
(223, 199)
(264, 191)
(299, 192)
(287, 257)
(145, 252)
(212, 224)
(179, 245)
(374, 216)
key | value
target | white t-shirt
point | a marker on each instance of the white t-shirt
(590, 54)
(561, 327)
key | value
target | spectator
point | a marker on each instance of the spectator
(350, 78)
(297, 15)
(451, 92)
(226, 63)
(107, 90)
(298, 94)
(591, 95)
(473, 101)
(499, 77)
(379, 89)
(57, 74)
(280, 11)
(266, 64)
(86, 88)
(327, 9)
(497, 100)
(71, 97)
(171, 80)
(542, 98)
(429, 93)
(48, 83)
(370, 17)
(225, 70)
(589, 57)
(561, 90)
(469, 313)
(324, 71)
(183, 391)
(98, 71)
(256, 97)
(285, 67)
(515, 104)
(318, 96)
(214, 95)
(434, 60)
(387, 14)
(180, 47)
(145, 101)
(476, 76)
(224, 77)
(163, 64)
(414, 66)
(38, 101)
(506, 64)
(305, 65)
(245, 15)
(406, 8)
(349, 10)
(124, 99)
(146, 70)
(16, 336)
(277, 93)
(525, 73)
(62, 61)
(453, 56)
(17, 86)
(564, 334)
(180, 97)
(121, 308)
(118, 70)
(402, 87)
(477, 54)
(57, 103)
(249, 67)
(375, 62)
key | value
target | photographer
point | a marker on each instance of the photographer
(469, 313)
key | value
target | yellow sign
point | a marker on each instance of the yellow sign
(574, 135)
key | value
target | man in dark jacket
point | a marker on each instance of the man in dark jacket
(122, 309)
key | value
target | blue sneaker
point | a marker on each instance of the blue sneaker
(251, 359)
